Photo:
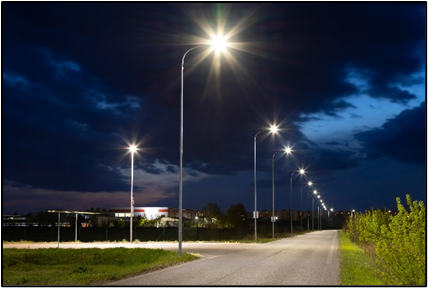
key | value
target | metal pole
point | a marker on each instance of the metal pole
(75, 230)
(255, 186)
(59, 220)
(132, 196)
(301, 207)
(180, 186)
(313, 212)
(273, 196)
(307, 209)
(318, 217)
(291, 203)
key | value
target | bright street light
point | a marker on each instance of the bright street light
(273, 130)
(217, 43)
(132, 149)
(313, 212)
(273, 183)
(302, 172)
(310, 183)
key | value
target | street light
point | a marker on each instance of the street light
(218, 43)
(273, 130)
(301, 171)
(132, 149)
(287, 150)
(319, 196)
(307, 204)
(301, 206)
(313, 212)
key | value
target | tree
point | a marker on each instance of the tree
(212, 212)
(236, 215)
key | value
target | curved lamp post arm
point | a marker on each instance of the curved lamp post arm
(180, 192)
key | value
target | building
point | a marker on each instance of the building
(149, 213)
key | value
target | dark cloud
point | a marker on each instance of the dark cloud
(402, 138)
(82, 79)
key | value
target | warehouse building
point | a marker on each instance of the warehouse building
(148, 212)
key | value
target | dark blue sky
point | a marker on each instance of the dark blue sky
(345, 82)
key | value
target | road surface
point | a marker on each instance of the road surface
(308, 259)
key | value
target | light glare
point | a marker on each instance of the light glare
(218, 43)
(288, 150)
(273, 129)
(132, 148)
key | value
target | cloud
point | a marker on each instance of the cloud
(401, 138)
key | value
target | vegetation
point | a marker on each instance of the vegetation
(397, 243)
(236, 215)
(356, 267)
(82, 266)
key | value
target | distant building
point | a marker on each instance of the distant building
(187, 213)
(148, 212)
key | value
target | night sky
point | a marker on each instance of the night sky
(344, 82)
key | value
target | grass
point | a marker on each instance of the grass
(356, 267)
(82, 266)
(95, 266)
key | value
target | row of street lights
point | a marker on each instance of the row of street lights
(218, 43)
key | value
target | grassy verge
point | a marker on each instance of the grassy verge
(82, 266)
(356, 267)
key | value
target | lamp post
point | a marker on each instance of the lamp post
(218, 43)
(318, 196)
(273, 129)
(287, 150)
(301, 205)
(307, 204)
(313, 212)
(273, 197)
(132, 149)
(301, 171)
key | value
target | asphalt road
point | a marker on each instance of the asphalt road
(308, 259)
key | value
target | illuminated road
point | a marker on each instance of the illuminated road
(309, 259)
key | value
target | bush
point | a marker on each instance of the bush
(397, 242)
(401, 249)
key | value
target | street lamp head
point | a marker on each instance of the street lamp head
(319, 196)
(315, 192)
(218, 43)
(310, 183)
(287, 150)
(132, 148)
(273, 129)
(302, 171)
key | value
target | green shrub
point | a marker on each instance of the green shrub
(401, 249)
(397, 242)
